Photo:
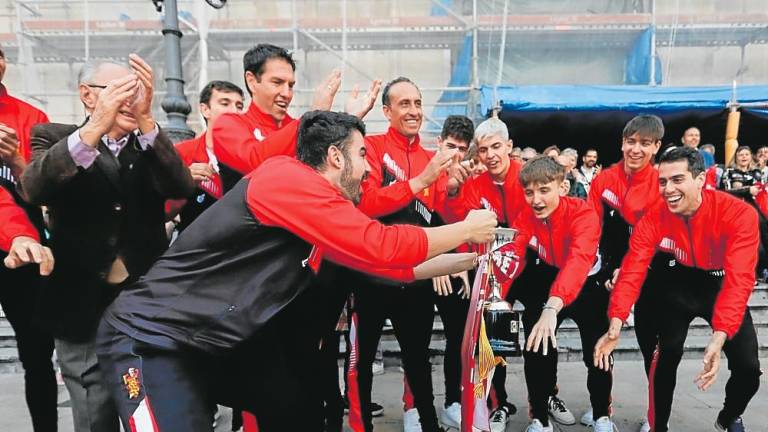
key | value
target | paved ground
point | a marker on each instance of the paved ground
(694, 410)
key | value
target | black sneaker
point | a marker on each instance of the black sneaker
(376, 409)
(735, 426)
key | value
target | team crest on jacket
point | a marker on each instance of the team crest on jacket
(132, 383)
(257, 134)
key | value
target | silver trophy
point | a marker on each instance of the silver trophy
(502, 323)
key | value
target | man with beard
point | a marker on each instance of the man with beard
(175, 337)
(588, 169)
(701, 248)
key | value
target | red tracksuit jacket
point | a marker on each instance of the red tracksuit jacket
(253, 254)
(240, 142)
(620, 200)
(194, 151)
(567, 239)
(630, 195)
(722, 234)
(506, 200)
(20, 116)
(386, 192)
(13, 221)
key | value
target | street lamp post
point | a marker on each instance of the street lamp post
(174, 103)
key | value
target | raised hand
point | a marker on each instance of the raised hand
(10, 151)
(142, 105)
(9, 144)
(110, 100)
(439, 163)
(326, 91)
(358, 105)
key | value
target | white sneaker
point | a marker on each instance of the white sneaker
(451, 417)
(411, 421)
(499, 419)
(604, 424)
(646, 427)
(559, 412)
(536, 426)
(587, 419)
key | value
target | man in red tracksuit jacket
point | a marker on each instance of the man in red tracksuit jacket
(216, 98)
(701, 246)
(241, 141)
(621, 195)
(19, 239)
(558, 237)
(497, 189)
(175, 337)
(404, 185)
(269, 78)
(20, 297)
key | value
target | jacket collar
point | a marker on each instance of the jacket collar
(401, 141)
(638, 176)
(258, 116)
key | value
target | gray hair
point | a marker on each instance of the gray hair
(570, 152)
(530, 150)
(490, 127)
(91, 67)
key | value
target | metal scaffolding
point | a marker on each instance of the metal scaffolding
(69, 32)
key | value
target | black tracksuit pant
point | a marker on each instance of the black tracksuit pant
(679, 295)
(453, 314)
(411, 309)
(588, 311)
(171, 390)
(19, 290)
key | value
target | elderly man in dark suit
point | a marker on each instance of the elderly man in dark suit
(104, 183)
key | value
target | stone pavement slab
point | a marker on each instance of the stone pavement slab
(694, 411)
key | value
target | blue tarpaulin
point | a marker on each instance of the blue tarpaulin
(638, 67)
(616, 98)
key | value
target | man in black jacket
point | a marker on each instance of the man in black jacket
(105, 184)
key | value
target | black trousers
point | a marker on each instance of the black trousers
(172, 389)
(19, 291)
(453, 314)
(588, 311)
(335, 292)
(681, 294)
(411, 310)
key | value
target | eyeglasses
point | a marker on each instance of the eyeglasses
(96, 86)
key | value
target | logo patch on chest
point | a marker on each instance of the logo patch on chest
(257, 134)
